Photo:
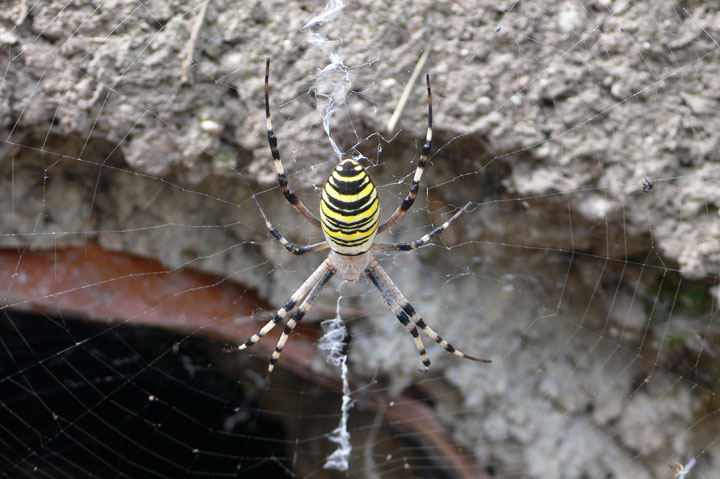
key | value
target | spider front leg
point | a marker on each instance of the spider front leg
(410, 198)
(283, 241)
(398, 303)
(424, 239)
(301, 292)
(298, 316)
(401, 316)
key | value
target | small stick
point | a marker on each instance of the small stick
(191, 46)
(406, 92)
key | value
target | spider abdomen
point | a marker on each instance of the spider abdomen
(349, 209)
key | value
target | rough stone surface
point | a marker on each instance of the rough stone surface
(550, 124)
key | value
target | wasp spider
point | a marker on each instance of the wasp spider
(349, 219)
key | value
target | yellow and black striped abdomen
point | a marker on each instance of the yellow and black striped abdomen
(349, 209)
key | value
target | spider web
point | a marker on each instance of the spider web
(585, 134)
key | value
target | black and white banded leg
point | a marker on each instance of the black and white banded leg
(395, 299)
(302, 291)
(402, 317)
(424, 239)
(415, 186)
(281, 175)
(298, 316)
(283, 241)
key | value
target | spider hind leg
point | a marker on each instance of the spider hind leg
(422, 162)
(280, 170)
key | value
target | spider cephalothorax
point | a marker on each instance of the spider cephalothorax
(349, 219)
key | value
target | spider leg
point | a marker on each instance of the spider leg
(388, 289)
(410, 198)
(282, 176)
(400, 314)
(424, 239)
(283, 241)
(298, 316)
(301, 292)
